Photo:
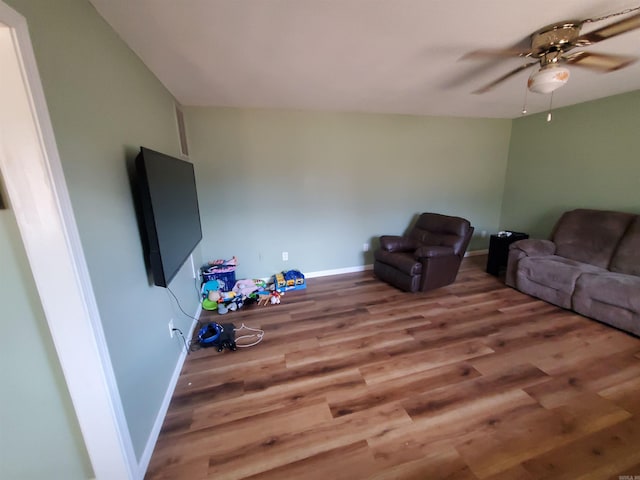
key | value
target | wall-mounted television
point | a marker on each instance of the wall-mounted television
(170, 213)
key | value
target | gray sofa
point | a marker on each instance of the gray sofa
(590, 265)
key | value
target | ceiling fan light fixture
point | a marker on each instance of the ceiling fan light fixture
(548, 79)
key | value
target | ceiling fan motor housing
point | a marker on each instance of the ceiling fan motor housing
(560, 37)
(548, 44)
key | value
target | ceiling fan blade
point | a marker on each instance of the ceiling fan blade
(599, 61)
(497, 52)
(489, 86)
(611, 30)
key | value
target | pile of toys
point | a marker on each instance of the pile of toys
(221, 292)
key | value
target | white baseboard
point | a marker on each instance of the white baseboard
(338, 271)
(362, 268)
(143, 464)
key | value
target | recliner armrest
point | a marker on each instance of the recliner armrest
(533, 247)
(397, 243)
(433, 251)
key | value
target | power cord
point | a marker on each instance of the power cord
(194, 346)
(183, 339)
(180, 306)
(190, 347)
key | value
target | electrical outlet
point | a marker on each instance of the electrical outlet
(483, 234)
(365, 247)
(285, 256)
(171, 328)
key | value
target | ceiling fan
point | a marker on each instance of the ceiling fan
(550, 47)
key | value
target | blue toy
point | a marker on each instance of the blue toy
(210, 286)
(294, 280)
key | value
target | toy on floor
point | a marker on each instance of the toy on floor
(264, 297)
(275, 297)
(279, 282)
(227, 296)
(236, 302)
(216, 335)
(211, 290)
(268, 297)
(294, 280)
(210, 294)
(288, 280)
(245, 287)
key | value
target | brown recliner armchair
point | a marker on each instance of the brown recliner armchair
(427, 257)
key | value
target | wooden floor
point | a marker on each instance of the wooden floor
(357, 380)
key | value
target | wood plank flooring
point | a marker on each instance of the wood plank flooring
(357, 380)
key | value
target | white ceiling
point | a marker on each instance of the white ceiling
(391, 56)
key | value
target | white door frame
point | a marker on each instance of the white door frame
(37, 193)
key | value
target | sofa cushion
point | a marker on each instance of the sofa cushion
(551, 278)
(590, 236)
(613, 298)
(627, 256)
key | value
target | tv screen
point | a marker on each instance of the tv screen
(171, 217)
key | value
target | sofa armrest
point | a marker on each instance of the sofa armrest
(432, 251)
(530, 247)
(533, 247)
(397, 243)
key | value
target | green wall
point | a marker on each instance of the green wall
(319, 185)
(587, 157)
(104, 103)
(39, 433)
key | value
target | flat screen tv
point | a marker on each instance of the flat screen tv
(170, 213)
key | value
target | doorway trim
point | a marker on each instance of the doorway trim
(36, 191)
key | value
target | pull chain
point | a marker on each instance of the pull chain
(549, 117)
(524, 102)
